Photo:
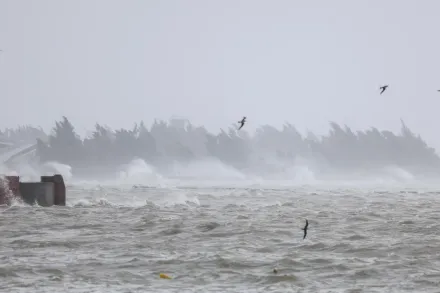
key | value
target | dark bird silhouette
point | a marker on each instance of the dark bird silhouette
(305, 229)
(242, 122)
(383, 88)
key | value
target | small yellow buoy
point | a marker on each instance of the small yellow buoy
(164, 276)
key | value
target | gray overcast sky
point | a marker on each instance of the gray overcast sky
(306, 62)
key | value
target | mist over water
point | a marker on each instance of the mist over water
(209, 172)
(223, 220)
(177, 151)
(114, 237)
(215, 207)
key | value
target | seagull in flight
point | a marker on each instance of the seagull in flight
(305, 229)
(383, 88)
(242, 122)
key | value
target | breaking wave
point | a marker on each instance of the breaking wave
(177, 153)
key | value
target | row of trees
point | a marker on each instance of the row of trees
(22, 134)
(179, 140)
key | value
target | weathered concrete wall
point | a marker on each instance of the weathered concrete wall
(59, 188)
(9, 188)
(42, 193)
(50, 191)
(5, 191)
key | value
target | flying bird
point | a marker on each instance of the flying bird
(305, 229)
(242, 122)
(383, 88)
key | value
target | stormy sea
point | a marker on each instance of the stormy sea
(229, 236)
(214, 227)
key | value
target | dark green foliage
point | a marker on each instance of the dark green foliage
(165, 142)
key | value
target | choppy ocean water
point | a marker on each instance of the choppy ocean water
(224, 239)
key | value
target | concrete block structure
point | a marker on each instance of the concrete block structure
(50, 191)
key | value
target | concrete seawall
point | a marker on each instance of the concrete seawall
(50, 191)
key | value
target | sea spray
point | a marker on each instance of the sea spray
(139, 172)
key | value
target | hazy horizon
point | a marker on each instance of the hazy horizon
(118, 62)
(221, 212)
